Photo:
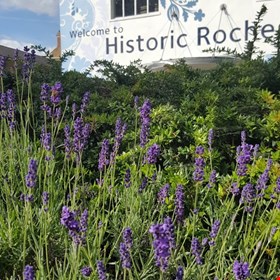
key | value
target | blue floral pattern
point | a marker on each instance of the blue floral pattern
(183, 8)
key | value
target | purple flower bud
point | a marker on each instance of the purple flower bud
(244, 154)
(179, 203)
(234, 189)
(127, 178)
(277, 189)
(67, 141)
(101, 271)
(204, 241)
(180, 273)
(30, 178)
(120, 129)
(145, 119)
(212, 179)
(28, 273)
(163, 193)
(163, 235)
(143, 184)
(2, 65)
(152, 154)
(127, 237)
(45, 92)
(45, 197)
(74, 110)
(198, 173)
(248, 194)
(215, 229)
(56, 92)
(196, 250)
(125, 256)
(103, 155)
(241, 270)
(85, 102)
(86, 271)
(81, 135)
(263, 179)
(46, 139)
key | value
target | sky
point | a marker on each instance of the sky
(29, 22)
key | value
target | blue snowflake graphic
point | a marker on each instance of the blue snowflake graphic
(183, 8)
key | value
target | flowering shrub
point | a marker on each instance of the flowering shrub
(141, 217)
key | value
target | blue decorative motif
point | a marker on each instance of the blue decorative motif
(183, 8)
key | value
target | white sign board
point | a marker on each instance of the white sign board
(155, 30)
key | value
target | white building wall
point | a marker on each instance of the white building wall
(180, 28)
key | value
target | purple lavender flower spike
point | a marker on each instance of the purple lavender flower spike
(198, 173)
(120, 129)
(74, 110)
(241, 270)
(163, 235)
(2, 65)
(101, 271)
(81, 135)
(125, 256)
(163, 193)
(84, 221)
(248, 194)
(152, 154)
(11, 104)
(67, 141)
(68, 219)
(45, 198)
(263, 179)
(29, 273)
(204, 241)
(103, 155)
(45, 92)
(86, 271)
(85, 102)
(210, 139)
(179, 203)
(180, 273)
(215, 228)
(143, 184)
(30, 178)
(46, 139)
(212, 179)
(244, 154)
(56, 91)
(214, 231)
(234, 189)
(196, 250)
(127, 237)
(277, 188)
(127, 178)
(3, 105)
(145, 112)
(29, 198)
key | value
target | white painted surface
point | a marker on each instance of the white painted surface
(196, 25)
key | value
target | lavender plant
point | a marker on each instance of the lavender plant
(144, 219)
